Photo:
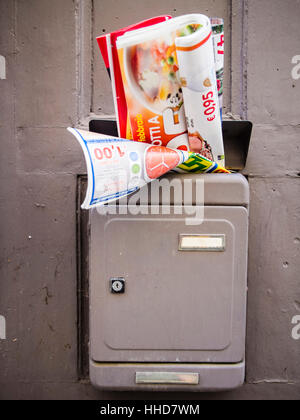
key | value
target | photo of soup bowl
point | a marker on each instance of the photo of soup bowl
(155, 106)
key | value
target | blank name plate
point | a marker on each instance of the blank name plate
(201, 243)
(167, 378)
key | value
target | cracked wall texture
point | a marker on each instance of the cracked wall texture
(54, 78)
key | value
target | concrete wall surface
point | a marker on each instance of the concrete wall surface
(54, 77)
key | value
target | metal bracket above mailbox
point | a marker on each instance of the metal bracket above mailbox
(236, 137)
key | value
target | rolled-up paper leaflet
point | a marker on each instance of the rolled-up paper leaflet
(218, 41)
(197, 72)
(117, 167)
(199, 164)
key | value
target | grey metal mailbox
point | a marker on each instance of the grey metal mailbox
(168, 298)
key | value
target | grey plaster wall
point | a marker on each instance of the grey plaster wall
(54, 78)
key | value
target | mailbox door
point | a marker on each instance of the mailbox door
(171, 305)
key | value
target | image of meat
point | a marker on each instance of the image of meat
(160, 160)
(199, 145)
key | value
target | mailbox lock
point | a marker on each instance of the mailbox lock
(117, 285)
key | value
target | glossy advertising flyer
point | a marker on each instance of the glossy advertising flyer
(197, 71)
(168, 72)
(107, 45)
(218, 42)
